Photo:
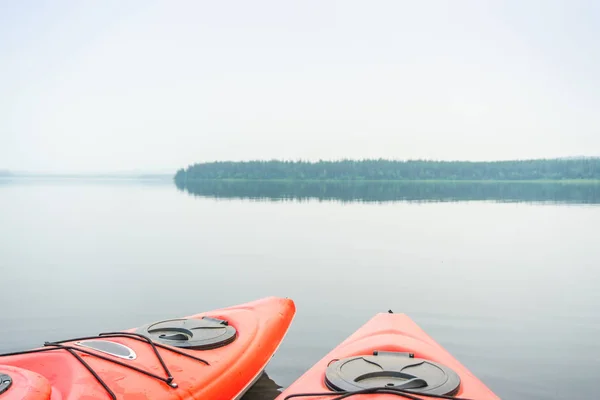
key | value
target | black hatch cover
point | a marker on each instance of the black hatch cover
(196, 334)
(393, 370)
(5, 382)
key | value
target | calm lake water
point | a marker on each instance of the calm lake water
(505, 277)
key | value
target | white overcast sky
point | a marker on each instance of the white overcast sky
(156, 85)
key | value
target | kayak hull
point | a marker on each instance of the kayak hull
(219, 373)
(387, 332)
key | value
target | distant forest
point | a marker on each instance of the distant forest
(350, 170)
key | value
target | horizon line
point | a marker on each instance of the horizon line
(161, 172)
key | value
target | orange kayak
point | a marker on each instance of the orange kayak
(213, 355)
(388, 358)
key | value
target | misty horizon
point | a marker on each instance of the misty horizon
(171, 171)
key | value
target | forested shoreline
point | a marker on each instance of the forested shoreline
(391, 170)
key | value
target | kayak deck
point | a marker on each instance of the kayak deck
(389, 357)
(226, 351)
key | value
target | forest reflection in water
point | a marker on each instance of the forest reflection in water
(373, 191)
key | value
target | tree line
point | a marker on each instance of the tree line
(349, 170)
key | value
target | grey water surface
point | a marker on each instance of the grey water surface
(505, 278)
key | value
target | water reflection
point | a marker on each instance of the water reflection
(264, 389)
(575, 193)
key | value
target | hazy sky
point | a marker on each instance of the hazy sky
(154, 85)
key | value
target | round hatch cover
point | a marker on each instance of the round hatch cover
(5, 382)
(195, 334)
(393, 370)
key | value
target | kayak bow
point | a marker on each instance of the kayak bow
(388, 358)
(212, 355)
